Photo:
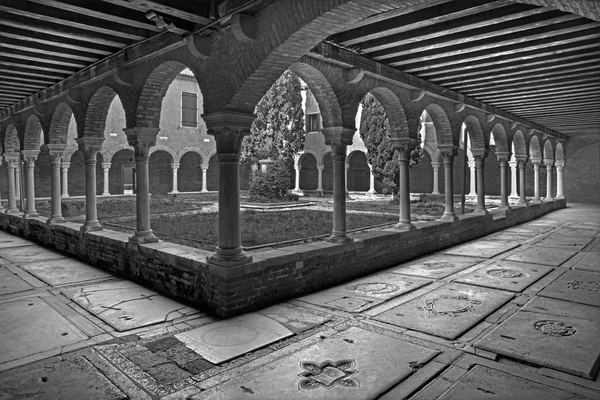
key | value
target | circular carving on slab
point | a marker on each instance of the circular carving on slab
(504, 273)
(232, 335)
(374, 288)
(554, 328)
(451, 305)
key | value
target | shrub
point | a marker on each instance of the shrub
(272, 185)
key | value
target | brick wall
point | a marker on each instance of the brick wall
(582, 175)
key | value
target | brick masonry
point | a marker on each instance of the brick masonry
(275, 274)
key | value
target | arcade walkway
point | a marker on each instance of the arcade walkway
(511, 315)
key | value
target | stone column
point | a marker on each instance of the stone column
(297, 186)
(56, 153)
(204, 183)
(175, 168)
(18, 180)
(472, 169)
(229, 128)
(448, 154)
(338, 138)
(371, 180)
(503, 161)
(65, 178)
(522, 161)
(90, 146)
(30, 156)
(436, 178)
(513, 179)
(142, 139)
(320, 178)
(536, 181)
(346, 168)
(11, 160)
(404, 184)
(560, 166)
(480, 174)
(1, 208)
(106, 180)
(548, 180)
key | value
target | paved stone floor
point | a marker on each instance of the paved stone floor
(514, 315)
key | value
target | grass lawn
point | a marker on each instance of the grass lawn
(258, 228)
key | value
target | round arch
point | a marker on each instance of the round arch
(475, 131)
(309, 175)
(59, 124)
(33, 136)
(560, 152)
(500, 138)
(96, 113)
(166, 149)
(548, 150)
(441, 124)
(519, 144)
(394, 111)
(12, 143)
(535, 150)
(160, 171)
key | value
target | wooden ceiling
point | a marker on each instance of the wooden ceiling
(537, 63)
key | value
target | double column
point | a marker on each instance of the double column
(503, 161)
(56, 154)
(11, 160)
(404, 146)
(522, 163)
(448, 152)
(90, 146)
(338, 138)
(549, 163)
(142, 139)
(536, 180)
(30, 156)
(479, 155)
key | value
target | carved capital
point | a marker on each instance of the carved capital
(11, 159)
(30, 156)
(90, 143)
(175, 166)
(448, 149)
(559, 164)
(338, 136)
(403, 143)
(228, 128)
(106, 165)
(503, 155)
(536, 162)
(141, 139)
(479, 153)
(549, 162)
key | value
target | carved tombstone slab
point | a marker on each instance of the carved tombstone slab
(483, 248)
(505, 275)
(542, 255)
(591, 263)
(438, 266)
(576, 286)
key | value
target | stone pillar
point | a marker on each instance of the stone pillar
(338, 138)
(522, 188)
(436, 178)
(480, 174)
(346, 168)
(536, 181)
(175, 168)
(297, 186)
(30, 156)
(548, 180)
(142, 139)
(560, 166)
(404, 184)
(472, 169)
(448, 154)
(18, 179)
(513, 179)
(90, 146)
(320, 178)
(65, 178)
(56, 153)
(503, 161)
(229, 128)
(204, 183)
(371, 180)
(106, 180)
(1, 208)
(11, 160)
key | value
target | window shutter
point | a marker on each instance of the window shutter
(189, 109)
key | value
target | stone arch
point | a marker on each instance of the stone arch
(120, 162)
(59, 124)
(97, 110)
(441, 124)
(359, 174)
(12, 143)
(519, 144)
(153, 92)
(189, 178)
(33, 136)
(203, 155)
(394, 111)
(309, 175)
(159, 169)
(305, 153)
(548, 150)
(110, 153)
(476, 136)
(500, 138)
(560, 153)
(329, 106)
(535, 150)
(166, 149)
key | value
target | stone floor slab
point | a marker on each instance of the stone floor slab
(64, 271)
(482, 248)
(576, 286)
(448, 311)
(352, 365)
(563, 241)
(591, 263)
(13, 241)
(505, 275)
(125, 305)
(25, 254)
(30, 326)
(71, 377)
(295, 319)
(484, 382)
(336, 300)
(564, 343)
(562, 308)
(542, 255)
(11, 283)
(438, 266)
(228, 339)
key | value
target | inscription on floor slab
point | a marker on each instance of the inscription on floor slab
(439, 266)
(225, 340)
(448, 311)
(505, 275)
(64, 271)
(352, 365)
(483, 382)
(30, 326)
(576, 286)
(563, 343)
(11, 283)
(591, 262)
(542, 255)
(125, 305)
(482, 248)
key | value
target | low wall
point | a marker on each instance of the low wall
(275, 274)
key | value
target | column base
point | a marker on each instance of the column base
(297, 191)
(30, 214)
(404, 226)
(559, 197)
(174, 192)
(229, 257)
(64, 195)
(435, 193)
(141, 237)
(535, 201)
(339, 237)
(58, 219)
(481, 211)
(504, 207)
(523, 203)
(449, 217)
(105, 194)
(546, 200)
(12, 211)
(91, 226)
(319, 192)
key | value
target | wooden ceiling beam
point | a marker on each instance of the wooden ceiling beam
(21, 79)
(5, 82)
(500, 103)
(54, 41)
(37, 66)
(147, 5)
(542, 93)
(565, 83)
(54, 51)
(29, 56)
(10, 70)
(555, 108)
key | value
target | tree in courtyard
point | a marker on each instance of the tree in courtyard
(375, 132)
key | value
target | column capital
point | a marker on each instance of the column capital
(320, 167)
(57, 148)
(548, 162)
(11, 157)
(559, 164)
(106, 165)
(503, 155)
(338, 135)
(204, 166)
(435, 164)
(536, 161)
(479, 153)
(65, 164)
(175, 165)
(30, 155)
(521, 158)
(138, 135)
(447, 149)
(90, 143)
(401, 143)
(228, 129)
